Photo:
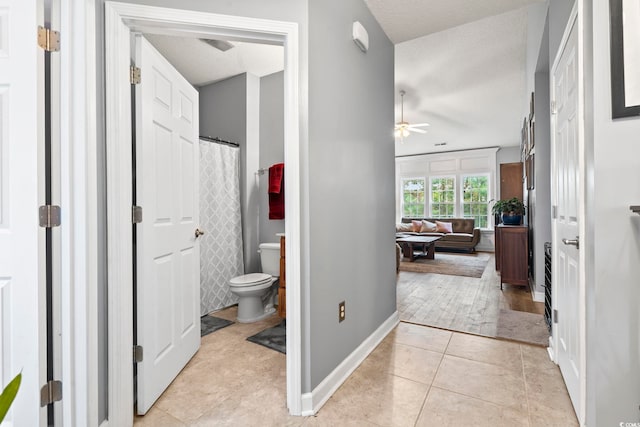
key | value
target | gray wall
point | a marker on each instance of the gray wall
(612, 253)
(540, 196)
(351, 181)
(271, 147)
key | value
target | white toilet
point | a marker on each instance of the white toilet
(255, 296)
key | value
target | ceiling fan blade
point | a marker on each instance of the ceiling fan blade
(419, 125)
(417, 130)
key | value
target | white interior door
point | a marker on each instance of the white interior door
(566, 261)
(22, 309)
(168, 252)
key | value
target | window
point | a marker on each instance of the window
(475, 199)
(443, 197)
(413, 197)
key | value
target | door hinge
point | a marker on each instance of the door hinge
(51, 392)
(554, 212)
(49, 216)
(134, 75)
(136, 214)
(48, 39)
(137, 354)
(553, 107)
(555, 316)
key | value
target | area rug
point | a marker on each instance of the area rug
(274, 338)
(521, 326)
(209, 324)
(469, 265)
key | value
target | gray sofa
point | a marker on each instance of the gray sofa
(464, 236)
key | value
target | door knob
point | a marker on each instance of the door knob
(575, 242)
(199, 232)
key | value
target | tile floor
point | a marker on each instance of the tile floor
(417, 376)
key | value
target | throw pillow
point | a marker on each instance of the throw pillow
(417, 226)
(427, 227)
(444, 227)
(404, 227)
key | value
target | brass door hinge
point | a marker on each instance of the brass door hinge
(134, 75)
(48, 39)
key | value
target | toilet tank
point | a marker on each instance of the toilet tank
(270, 258)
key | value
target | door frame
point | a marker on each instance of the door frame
(120, 20)
(576, 18)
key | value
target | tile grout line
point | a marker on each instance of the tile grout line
(526, 388)
(424, 402)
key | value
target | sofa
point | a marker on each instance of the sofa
(455, 233)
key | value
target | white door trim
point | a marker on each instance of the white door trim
(576, 18)
(120, 19)
(78, 199)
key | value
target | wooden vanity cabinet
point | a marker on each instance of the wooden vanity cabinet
(282, 289)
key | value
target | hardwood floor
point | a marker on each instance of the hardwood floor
(458, 303)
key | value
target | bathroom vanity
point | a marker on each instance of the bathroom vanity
(282, 289)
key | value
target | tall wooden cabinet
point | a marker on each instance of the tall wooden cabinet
(512, 254)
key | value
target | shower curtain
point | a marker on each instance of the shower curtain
(221, 246)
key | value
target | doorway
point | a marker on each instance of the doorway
(120, 20)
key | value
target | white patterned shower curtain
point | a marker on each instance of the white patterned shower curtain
(221, 246)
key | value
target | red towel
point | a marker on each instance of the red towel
(276, 173)
(276, 191)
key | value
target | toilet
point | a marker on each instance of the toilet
(254, 291)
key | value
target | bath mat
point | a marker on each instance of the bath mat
(471, 265)
(521, 326)
(209, 324)
(274, 338)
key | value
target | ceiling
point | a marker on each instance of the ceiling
(202, 64)
(404, 20)
(462, 65)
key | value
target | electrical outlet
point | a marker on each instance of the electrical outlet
(341, 312)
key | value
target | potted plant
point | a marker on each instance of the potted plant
(511, 210)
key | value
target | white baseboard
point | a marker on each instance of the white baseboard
(312, 402)
(536, 295)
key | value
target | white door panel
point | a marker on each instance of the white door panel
(168, 257)
(22, 301)
(566, 267)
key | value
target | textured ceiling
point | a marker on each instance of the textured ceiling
(468, 82)
(404, 20)
(200, 63)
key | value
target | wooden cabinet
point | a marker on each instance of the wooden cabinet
(512, 252)
(282, 289)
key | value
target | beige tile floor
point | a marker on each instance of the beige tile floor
(417, 376)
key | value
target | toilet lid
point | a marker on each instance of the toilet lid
(250, 279)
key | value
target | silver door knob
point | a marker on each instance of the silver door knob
(199, 232)
(572, 242)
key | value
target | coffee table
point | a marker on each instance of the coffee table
(409, 244)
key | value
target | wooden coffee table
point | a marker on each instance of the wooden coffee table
(426, 244)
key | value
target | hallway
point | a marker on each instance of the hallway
(417, 376)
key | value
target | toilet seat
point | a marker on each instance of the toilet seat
(252, 279)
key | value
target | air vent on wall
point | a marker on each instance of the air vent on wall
(219, 44)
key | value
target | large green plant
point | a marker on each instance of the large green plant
(8, 394)
(512, 206)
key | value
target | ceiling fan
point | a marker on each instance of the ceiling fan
(404, 129)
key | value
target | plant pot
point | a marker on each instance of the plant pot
(511, 219)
